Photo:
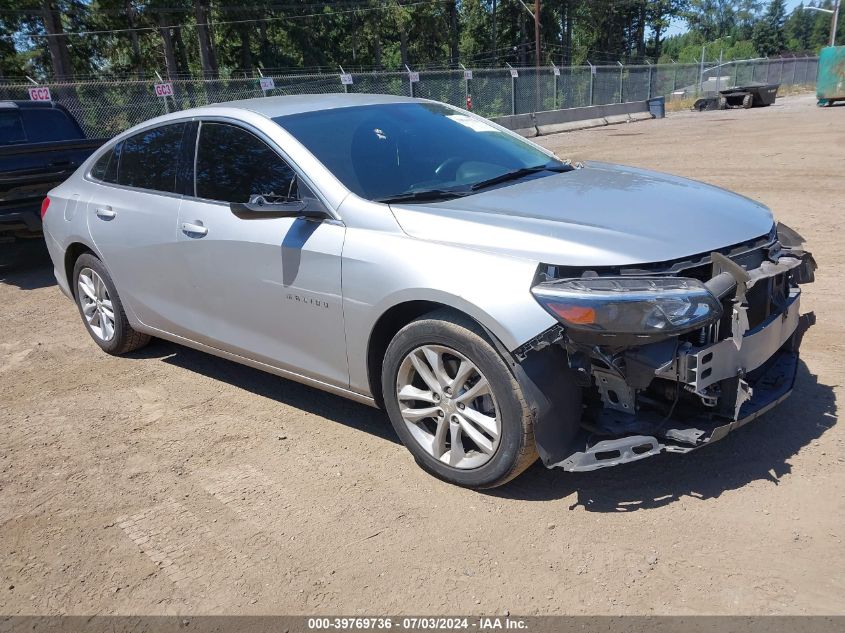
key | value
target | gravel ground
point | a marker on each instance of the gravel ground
(173, 482)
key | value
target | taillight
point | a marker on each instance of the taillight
(44, 206)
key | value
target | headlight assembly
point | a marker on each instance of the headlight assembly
(654, 307)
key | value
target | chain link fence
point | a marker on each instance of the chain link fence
(105, 108)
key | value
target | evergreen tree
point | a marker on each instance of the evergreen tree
(799, 29)
(769, 37)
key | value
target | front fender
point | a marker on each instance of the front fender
(382, 270)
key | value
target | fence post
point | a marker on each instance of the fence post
(554, 85)
(650, 67)
(343, 72)
(410, 83)
(592, 80)
(674, 74)
(513, 89)
(166, 106)
(621, 80)
(719, 73)
(701, 70)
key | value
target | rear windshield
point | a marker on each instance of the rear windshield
(37, 125)
(383, 150)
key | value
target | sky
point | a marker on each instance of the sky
(679, 26)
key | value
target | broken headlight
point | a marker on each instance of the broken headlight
(638, 306)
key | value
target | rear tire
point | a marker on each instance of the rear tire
(484, 459)
(747, 101)
(101, 309)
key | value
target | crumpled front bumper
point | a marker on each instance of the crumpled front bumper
(737, 378)
(688, 435)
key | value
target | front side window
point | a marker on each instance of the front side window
(150, 159)
(233, 165)
(11, 127)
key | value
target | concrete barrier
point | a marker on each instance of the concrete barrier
(554, 121)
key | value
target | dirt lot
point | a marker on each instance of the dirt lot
(174, 482)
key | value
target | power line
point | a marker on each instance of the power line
(224, 9)
(249, 21)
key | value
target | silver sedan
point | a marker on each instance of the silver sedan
(500, 303)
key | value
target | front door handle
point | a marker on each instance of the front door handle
(105, 213)
(189, 228)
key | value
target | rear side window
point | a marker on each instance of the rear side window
(233, 165)
(101, 167)
(44, 124)
(150, 160)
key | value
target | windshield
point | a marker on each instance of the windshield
(400, 149)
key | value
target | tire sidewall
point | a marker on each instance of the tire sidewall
(487, 359)
(90, 261)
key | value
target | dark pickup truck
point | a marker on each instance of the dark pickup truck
(41, 144)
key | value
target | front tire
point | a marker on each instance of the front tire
(101, 309)
(455, 403)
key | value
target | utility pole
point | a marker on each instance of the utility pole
(536, 15)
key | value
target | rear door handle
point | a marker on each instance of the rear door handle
(190, 228)
(105, 213)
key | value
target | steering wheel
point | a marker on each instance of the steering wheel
(448, 169)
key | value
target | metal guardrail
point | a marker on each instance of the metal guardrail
(554, 121)
(108, 107)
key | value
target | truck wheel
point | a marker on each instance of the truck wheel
(747, 101)
(723, 103)
(455, 404)
(101, 309)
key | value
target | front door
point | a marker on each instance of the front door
(261, 287)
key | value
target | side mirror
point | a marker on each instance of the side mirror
(275, 207)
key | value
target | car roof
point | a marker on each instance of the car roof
(17, 105)
(272, 107)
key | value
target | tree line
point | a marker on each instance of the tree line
(65, 39)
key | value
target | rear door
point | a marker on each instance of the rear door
(132, 217)
(262, 287)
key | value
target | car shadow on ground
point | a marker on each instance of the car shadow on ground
(310, 399)
(26, 265)
(761, 450)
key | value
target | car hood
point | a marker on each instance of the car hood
(599, 215)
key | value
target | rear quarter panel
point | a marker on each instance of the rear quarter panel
(66, 223)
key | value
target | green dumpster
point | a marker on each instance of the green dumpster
(830, 85)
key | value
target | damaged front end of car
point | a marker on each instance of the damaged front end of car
(666, 357)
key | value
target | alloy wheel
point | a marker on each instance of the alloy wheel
(448, 406)
(96, 304)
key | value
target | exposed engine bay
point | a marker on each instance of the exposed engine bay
(671, 356)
